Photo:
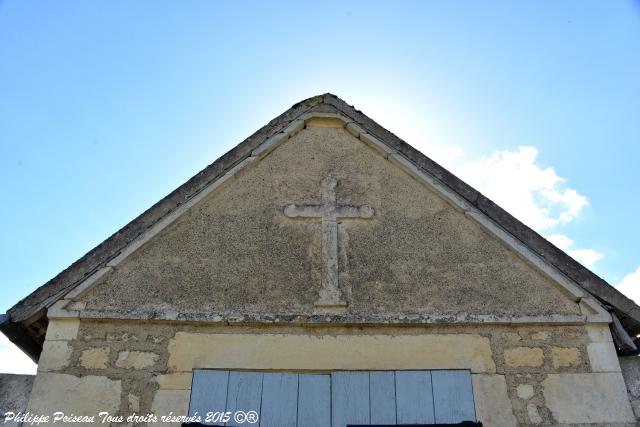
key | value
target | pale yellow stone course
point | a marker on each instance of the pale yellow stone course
(310, 352)
(177, 381)
(95, 358)
(524, 356)
(565, 356)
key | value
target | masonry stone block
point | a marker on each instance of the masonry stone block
(62, 329)
(86, 395)
(524, 356)
(55, 355)
(176, 381)
(587, 398)
(95, 358)
(525, 391)
(599, 333)
(282, 351)
(603, 357)
(136, 359)
(565, 356)
(493, 406)
(170, 401)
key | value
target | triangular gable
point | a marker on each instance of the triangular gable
(573, 277)
(221, 234)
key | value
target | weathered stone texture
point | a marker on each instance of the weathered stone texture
(136, 359)
(599, 333)
(166, 402)
(236, 251)
(55, 355)
(524, 356)
(541, 336)
(14, 395)
(603, 357)
(525, 391)
(166, 353)
(493, 406)
(630, 366)
(587, 398)
(534, 416)
(95, 358)
(565, 356)
(87, 395)
(176, 381)
(62, 329)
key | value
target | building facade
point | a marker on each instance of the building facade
(324, 272)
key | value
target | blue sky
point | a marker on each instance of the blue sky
(105, 107)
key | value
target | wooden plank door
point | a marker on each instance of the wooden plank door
(336, 400)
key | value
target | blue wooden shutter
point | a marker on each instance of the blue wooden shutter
(336, 400)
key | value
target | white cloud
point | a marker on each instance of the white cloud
(630, 285)
(14, 361)
(588, 257)
(535, 195)
(560, 240)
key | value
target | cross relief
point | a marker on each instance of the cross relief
(331, 214)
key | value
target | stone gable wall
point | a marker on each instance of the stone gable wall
(236, 252)
(524, 375)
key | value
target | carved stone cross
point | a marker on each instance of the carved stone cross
(330, 213)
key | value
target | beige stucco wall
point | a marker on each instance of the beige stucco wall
(524, 375)
(237, 252)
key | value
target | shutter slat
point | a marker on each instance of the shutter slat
(245, 393)
(314, 400)
(382, 392)
(414, 397)
(350, 398)
(279, 400)
(453, 396)
(208, 392)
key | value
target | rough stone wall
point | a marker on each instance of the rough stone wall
(630, 366)
(525, 375)
(236, 251)
(14, 395)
